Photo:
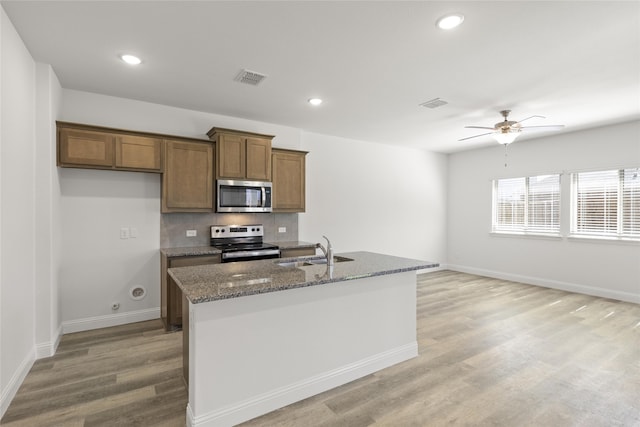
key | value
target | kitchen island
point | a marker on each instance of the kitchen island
(263, 334)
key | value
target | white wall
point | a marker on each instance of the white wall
(375, 197)
(17, 211)
(610, 269)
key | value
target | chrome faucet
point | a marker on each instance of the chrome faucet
(328, 253)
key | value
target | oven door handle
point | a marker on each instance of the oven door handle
(244, 254)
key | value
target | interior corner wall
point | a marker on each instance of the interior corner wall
(602, 268)
(47, 201)
(375, 197)
(17, 211)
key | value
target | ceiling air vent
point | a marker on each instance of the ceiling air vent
(249, 77)
(434, 103)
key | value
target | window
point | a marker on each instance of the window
(527, 205)
(606, 203)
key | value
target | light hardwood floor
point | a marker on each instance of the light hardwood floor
(492, 353)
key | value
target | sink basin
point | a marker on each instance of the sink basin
(311, 261)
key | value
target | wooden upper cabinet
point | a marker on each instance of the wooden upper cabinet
(138, 152)
(187, 181)
(258, 159)
(78, 147)
(84, 146)
(242, 155)
(288, 176)
(232, 153)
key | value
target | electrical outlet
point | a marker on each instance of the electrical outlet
(124, 233)
(282, 229)
(192, 233)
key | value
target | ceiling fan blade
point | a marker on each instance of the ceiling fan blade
(479, 127)
(531, 117)
(544, 127)
(476, 136)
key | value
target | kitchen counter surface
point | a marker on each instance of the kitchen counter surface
(237, 279)
(190, 251)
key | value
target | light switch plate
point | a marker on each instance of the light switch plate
(124, 233)
(192, 233)
(282, 229)
(134, 232)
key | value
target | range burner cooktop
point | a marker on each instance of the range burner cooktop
(242, 242)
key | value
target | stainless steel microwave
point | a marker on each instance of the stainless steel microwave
(243, 196)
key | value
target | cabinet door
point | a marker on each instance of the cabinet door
(231, 156)
(258, 159)
(138, 152)
(85, 148)
(288, 181)
(171, 307)
(187, 182)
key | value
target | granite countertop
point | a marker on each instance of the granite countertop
(190, 251)
(213, 282)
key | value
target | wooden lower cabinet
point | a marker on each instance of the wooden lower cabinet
(288, 177)
(170, 294)
(187, 181)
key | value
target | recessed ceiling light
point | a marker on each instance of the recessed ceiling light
(131, 59)
(315, 101)
(448, 22)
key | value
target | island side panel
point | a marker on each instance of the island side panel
(254, 354)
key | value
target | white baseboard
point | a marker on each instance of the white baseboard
(432, 269)
(48, 349)
(98, 322)
(9, 392)
(553, 284)
(272, 400)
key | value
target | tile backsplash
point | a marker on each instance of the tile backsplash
(174, 226)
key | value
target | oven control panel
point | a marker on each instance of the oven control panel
(225, 231)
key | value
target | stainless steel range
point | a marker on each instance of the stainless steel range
(242, 242)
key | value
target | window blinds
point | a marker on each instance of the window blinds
(631, 202)
(528, 204)
(607, 203)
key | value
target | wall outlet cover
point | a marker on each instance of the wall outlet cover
(192, 233)
(282, 229)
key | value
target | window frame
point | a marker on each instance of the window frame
(527, 229)
(619, 235)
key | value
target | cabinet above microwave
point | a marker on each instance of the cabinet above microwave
(242, 155)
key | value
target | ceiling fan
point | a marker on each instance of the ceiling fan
(505, 132)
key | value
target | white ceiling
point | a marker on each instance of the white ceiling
(373, 62)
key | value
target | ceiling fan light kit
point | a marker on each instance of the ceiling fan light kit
(506, 131)
(505, 137)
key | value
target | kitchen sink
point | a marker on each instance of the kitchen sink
(311, 261)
